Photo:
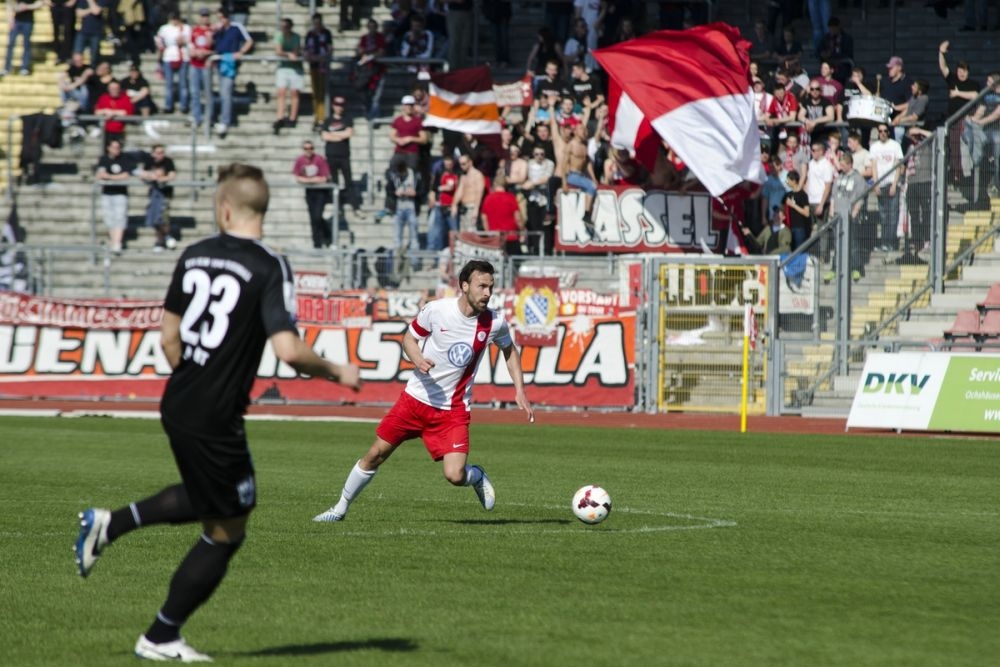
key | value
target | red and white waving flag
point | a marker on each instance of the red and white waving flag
(750, 326)
(464, 101)
(692, 88)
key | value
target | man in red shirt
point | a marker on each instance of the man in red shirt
(784, 110)
(500, 213)
(202, 40)
(313, 170)
(439, 200)
(112, 105)
(407, 133)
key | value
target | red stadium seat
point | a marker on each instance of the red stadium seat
(966, 324)
(992, 300)
(990, 328)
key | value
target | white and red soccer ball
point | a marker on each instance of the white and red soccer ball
(591, 504)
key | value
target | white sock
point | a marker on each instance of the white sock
(473, 475)
(356, 481)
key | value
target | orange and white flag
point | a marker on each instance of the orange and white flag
(464, 101)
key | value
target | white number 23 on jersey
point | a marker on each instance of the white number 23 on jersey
(215, 298)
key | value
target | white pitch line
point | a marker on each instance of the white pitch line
(572, 524)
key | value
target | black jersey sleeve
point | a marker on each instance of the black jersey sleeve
(174, 301)
(278, 299)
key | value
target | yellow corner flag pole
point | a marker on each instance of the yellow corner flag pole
(748, 331)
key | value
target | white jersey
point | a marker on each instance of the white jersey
(885, 155)
(455, 343)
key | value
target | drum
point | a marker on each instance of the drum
(868, 108)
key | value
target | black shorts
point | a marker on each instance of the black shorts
(217, 473)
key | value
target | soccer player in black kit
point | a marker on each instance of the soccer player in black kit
(229, 295)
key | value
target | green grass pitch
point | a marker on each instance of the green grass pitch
(722, 549)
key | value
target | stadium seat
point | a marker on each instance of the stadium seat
(990, 328)
(966, 325)
(992, 300)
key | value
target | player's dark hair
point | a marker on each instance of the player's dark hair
(472, 266)
(244, 185)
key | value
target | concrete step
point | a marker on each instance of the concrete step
(957, 298)
(924, 329)
(982, 272)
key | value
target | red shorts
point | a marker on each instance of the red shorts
(443, 431)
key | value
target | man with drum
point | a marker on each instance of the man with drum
(897, 88)
(864, 108)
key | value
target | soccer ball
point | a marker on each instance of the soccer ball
(591, 504)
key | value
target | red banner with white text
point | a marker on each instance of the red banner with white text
(110, 349)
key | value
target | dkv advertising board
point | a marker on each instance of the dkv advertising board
(929, 391)
(111, 349)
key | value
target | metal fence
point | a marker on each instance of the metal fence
(920, 223)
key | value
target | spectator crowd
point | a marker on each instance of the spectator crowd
(827, 137)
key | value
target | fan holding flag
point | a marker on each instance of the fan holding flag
(690, 89)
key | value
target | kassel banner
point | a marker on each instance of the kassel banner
(110, 349)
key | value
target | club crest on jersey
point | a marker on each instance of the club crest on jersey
(460, 354)
(481, 336)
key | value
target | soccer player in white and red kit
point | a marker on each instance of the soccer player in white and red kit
(445, 343)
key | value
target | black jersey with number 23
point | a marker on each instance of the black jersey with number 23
(231, 294)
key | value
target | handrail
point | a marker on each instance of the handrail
(340, 263)
(344, 61)
(135, 119)
(198, 184)
(958, 261)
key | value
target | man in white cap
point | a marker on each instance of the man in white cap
(407, 133)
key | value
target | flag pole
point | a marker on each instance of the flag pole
(746, 374)
(747, 316)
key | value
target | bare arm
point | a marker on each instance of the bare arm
(459, 189)
(411, 346)
(170, 337)
(337, 135)
(513, 358)
(92, 8)
(826, 196)
(942, 60)
(802, 210)
(245, 49)
(292, 350)
(989, 118)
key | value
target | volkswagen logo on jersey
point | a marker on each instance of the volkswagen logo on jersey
(460, 354)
